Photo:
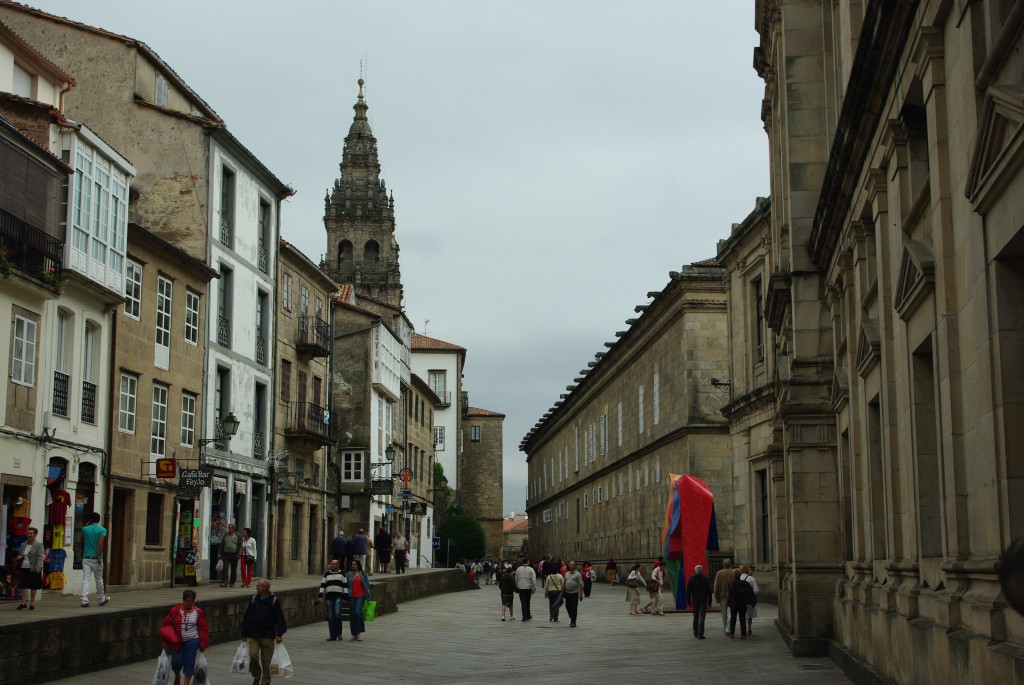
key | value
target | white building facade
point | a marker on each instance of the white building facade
(440, 364)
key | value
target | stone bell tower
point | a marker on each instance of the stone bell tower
(359, 216)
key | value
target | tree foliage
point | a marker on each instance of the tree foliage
(466, 535)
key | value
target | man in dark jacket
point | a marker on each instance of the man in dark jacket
(339, 549)
(698, 591)
(262, 626)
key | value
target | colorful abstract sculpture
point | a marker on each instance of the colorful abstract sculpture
(690, 530)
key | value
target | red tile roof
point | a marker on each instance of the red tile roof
(422, 342)
(711, 261)
(520, 526)
(476, 411)
(346, 294)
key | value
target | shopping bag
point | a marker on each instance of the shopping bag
(369, 610)
(281, 664)
(240, 664)
(202, 676)
(163, 669)
(220, 565)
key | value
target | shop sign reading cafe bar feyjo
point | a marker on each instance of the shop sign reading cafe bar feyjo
(195, 479)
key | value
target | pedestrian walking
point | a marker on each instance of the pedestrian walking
(634, 581)
(382, 543)
(358, 592)
(588, 578)
(554, 585)
(740, 596)
(248, 559)
(698, 592)
(360, 545)
(400, 546)
(507, 590)
(29, 563)
(263, 626)
(526, 585)
(655, 589)
(94, 540)
(339, 549)
(610, 571)
(230, 546)
(722, 581)
(574, 583)
(333, 593)
(185, 634)
(751, 608)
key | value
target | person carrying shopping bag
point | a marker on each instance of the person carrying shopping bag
(185, 635)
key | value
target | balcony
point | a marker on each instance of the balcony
(261, 350)
(445, 396)
(224, 331)
(314, 336)
(309, 423)
(262, 260)
(25, 248)
(60, 393)
(88, 402)
(225, 231)
(257, 445)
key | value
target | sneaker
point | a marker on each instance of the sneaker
(503, 618)
(573, 624)
(105, 601)
(700, 637)
(85, 604)
(743, 637)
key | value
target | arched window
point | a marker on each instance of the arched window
(371, 253)
(344, 252)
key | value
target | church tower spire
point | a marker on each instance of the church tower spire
(359, 216)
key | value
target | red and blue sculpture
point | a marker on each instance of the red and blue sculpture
(690, 530)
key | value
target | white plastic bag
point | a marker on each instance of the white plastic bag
(240, 664)
(202, 676)
(163, 669)
(220, 565)
(281, 664)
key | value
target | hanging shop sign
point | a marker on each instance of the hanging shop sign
(382, 486)
(166, 468)
(195, 479)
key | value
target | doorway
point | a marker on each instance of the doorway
(119, 536)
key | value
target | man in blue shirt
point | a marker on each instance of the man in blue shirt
(94, 538)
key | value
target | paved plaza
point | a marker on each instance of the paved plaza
(459, 638)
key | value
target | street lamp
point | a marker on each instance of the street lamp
(389, 454)
(228, 425)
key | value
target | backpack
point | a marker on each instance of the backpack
(746, 594)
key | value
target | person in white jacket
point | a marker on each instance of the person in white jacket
(248, 552)
(751, 608)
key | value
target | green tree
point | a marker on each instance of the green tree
(466, 535)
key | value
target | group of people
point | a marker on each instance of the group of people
(185, 634)
(736, 591)
(562, 582)
(235, 548)
(339, 587)
(360, 547)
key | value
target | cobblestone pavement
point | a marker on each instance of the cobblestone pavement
(459, 638)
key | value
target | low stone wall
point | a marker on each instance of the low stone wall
(40, 651)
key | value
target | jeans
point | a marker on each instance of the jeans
(572, 603)
(334, 603)
(356, 623)
(725, 615)
(261, 653)
(524, 604)
(741, 612)
(700, 612)
(185, 657)
(554, 602)
(92, 568)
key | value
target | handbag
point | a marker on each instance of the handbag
(632, 582)
(652, 585)
(240, 664)
(369, 610)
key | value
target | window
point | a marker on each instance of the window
(352, 466)
(640, 409)
(586, 500)
(604, 434)
(23, 362)
(474, 433)
(158, 432)
(162, 90)
(225, 291)
(133, 289)
(227, 207)
(162, 357)
(547, 516)
(264, 262)
(620, 424)
(296, 523)
(286, 292)
(304, 299)
(439, 438)
(24, 83)
(286, 380)
(191, 317)
(154, 518)
(758, 320)
(90, 365)
(657, 399)
(129, 397)
(439, 384)
(188, 419)
(97, 194)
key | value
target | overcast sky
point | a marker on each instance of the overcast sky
(551, 161)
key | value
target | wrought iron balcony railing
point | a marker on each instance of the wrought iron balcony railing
(314, 336)
(224, 331)
(264, 263)
(226, 231)
(29, 249)
(60, 393)
(310, 421)
(261, 350)
(88, 402)
(257, 445)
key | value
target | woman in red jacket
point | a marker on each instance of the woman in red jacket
(184, 633)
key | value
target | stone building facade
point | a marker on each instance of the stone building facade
(415, 513)
(894, 254)
(481, 469)
(751, 408)
(599, 460)
(303, 509)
